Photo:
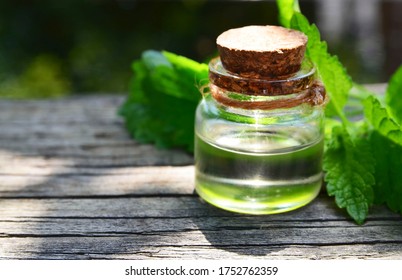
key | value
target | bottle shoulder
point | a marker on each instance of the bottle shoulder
(210, 109)
(215, 123)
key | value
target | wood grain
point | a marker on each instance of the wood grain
(73, 185)
(184, 227)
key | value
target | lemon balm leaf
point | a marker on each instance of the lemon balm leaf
(286, 10)
(388, 157)
(381, 121)
(393, 95)
(162, 100)
(348, 163)
(386, 142)
(334, 76)
(349, 168)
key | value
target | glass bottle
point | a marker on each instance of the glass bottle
(259, 142)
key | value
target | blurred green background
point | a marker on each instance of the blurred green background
(52, 48)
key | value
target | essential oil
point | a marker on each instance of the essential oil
(279, 176)
(259, 129)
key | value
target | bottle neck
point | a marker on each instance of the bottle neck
(313, 96)
(236, 91)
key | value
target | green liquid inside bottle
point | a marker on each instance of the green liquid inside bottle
(260, 173)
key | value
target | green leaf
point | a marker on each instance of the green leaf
(388, 157)
(334, 76)
(286, 10)
(381, 120)
(185, 79)
(349, 168)
(393, 95)
(386, 142)
(162, 101)
(348, 162)
(154, 59)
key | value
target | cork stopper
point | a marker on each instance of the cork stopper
(263, 68)
(262, 51)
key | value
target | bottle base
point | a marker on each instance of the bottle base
(258, 197)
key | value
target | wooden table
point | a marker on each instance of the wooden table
(73, 185)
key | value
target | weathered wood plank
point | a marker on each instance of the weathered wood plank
(86, 152)
(322, 209)
(75, 109)
(171, 227)
(155, 226)
(128, 248)
(64, 181)
(81, 131)
(78, 141)
(115, 156)
(276, 232)
(42, 133)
